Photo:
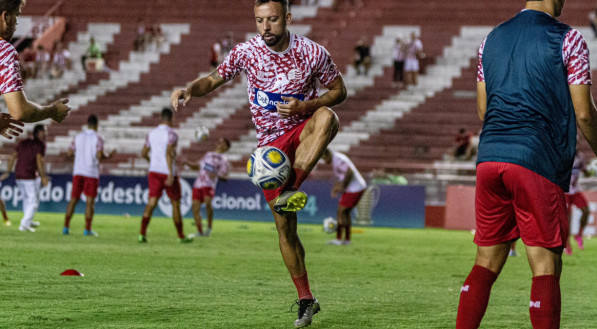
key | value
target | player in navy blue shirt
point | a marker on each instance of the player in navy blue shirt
(533, 89)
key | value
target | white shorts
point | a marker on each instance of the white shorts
(411, 65)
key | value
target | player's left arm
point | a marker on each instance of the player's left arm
(41, 169)
(170, 157)
(335, 95)
(347, 178)
(145, 153)
(481, 100)
(9, 166)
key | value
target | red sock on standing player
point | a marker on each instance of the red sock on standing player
(67, 221)
(545, 305)
(144, 223)
(474, 297)
(302, 286)
(88, 223)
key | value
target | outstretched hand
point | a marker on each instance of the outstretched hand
(292, 107)
(10, 127)
(61, 110)
(179, 94)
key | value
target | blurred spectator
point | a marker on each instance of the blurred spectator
(156, 36)
(593, 21)
(381, 177)
(362, 56)
(140, 38)
(215, 55)
(42, 62)
(61, 61)
(353, 3)
(464, 148)
(227, 44)
(93, 52)
(28, 59)
(399, 55)
(414, 51)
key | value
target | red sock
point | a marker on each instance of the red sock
(144, 223)
(299, 177)
(474, 297)
(347, 232)
(546, 302)
(302, 286)
(67, 221)
(88, 223)
(339, 232)
(179, 229)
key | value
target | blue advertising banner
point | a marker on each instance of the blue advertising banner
(396, 206)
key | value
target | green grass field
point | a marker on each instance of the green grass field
(388, 278)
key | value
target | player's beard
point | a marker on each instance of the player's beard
(274, 41)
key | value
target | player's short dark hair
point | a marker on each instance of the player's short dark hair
(37, 129)
(92, 120)
(11, 6)
(226, 141)
(284, 4)
(167, 114)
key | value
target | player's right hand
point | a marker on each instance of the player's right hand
(45, 180)
(61, 110)
(10, 127)
(179, 94)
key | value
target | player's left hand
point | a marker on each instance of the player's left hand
(292, 107)
(45, 180)
(10, 127)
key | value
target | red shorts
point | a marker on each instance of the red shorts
(350, 199)
(512, 201)
(577, 199)
(83, 184)
(200, 193)
(157, 184)
(288, 143)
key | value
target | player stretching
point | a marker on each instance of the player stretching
(534, 82)
(160, 151)
(575, 197)
(351, 184)
(11, 84)
(88, 150)
(212, 166)
(282, 70)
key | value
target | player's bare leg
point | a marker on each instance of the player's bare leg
(210, 215)
(151, 204)
(474, 295)
(89, 212)
(346, 222)
(545, 305)
(70, 210)
(4, 215)
(177, 217)
(318, 132)
(584, 219)
(197, 216)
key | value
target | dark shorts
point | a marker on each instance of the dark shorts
(288, 143)
(199, 194)
(350, 199)
(512, 201)
(82, 184)
(577, 199)
(157, 184)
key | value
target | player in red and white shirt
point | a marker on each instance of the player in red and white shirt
(11, 85)
(213, 166)
(160, 151)
(577, 198)
(351, 185)
(87, 149)
(283, 71)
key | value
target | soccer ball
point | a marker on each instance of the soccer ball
(330, 225)
(268, 167)
(201, 134)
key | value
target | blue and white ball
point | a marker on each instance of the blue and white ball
(201, 134)
(268, 167)
(330, 225)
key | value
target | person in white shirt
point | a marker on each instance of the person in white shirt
(160, 151)
(213, 166)
(351, 185)
(87, 149)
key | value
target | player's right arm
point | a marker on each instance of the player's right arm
(197, 88)
(41, 169)
(145, 153)
(9, 166)
(192, 166)
(20, 108)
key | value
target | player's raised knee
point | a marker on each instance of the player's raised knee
(324, 116)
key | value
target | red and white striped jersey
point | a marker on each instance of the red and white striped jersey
(294, 72)
(213, 166)
(575, 54)
(10, 72)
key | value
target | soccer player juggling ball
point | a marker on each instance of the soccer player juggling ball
(282, 70)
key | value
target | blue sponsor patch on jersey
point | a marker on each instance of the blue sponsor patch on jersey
(269, 101)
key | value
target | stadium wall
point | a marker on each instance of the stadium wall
(395, 206)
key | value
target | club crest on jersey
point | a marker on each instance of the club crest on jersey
(269, 100)
(295, 76)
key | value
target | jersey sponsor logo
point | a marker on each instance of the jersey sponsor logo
(269, 100)
(208, 167)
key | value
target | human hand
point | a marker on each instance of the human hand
(45, 180)
(292, 107)
(179, 94)
(61, 110)
(4, 176)
(169, 180)
(10, 127)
